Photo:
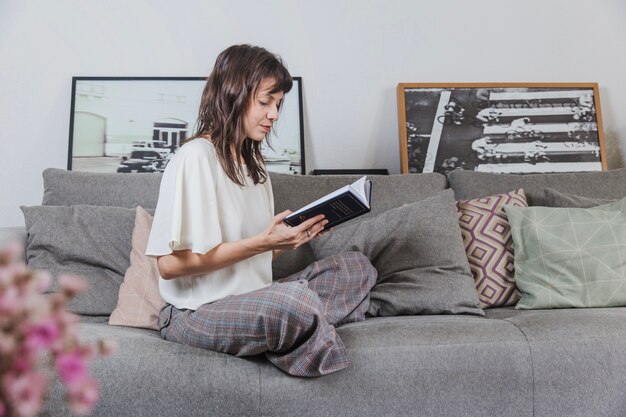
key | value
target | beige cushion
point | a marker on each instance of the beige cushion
(139, 301)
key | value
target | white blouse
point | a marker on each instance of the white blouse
(199, 207)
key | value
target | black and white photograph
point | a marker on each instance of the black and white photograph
(504, 128)
(136, 124)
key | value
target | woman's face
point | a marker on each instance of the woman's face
(262, 112)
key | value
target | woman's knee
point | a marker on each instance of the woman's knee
(294, 302)
(358, 266)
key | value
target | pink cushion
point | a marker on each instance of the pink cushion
(139, 301)
(489, 246)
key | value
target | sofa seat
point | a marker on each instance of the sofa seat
(569, 362)
(579, 359)
(409, 365)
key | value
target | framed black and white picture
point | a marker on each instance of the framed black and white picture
(136, 124)
(504, 127)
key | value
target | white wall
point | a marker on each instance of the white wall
(351, 55)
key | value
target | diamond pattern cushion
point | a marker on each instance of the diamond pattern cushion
(139, 301)
(489, 246)
(570, 257)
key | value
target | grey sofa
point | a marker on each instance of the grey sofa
(566, 362)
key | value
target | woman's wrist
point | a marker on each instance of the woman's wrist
(259, 244)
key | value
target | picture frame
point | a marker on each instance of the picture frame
(136, 124)
(366, 171)
(500, 127)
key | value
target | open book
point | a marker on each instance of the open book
(339, 206)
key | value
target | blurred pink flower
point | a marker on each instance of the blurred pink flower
(72, 284)
(7, 344)
(107, 347)
(10, 271)
(71, 368)
(42, 335)
(22, 362)
(11, 251)
(25, 392)
(31, 325)
(83, 396)
(10, 300)
(44, 279)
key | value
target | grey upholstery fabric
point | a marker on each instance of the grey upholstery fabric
(67, 188)
(418, 252)
(471, 184)
(148, 377)
(90, 241)
(423, 366)
(579, 360)
(401, 366)
(555, 198)
(388, 191)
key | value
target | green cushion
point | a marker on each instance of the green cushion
(570, 257)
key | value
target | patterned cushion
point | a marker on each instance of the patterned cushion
(489, 246)
(570, 257)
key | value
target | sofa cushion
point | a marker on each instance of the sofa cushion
(418, 253)
(427, 366)
(90, 241)
(489, 246)
(555, 198)
(439, 365)
(139, 301)
(601, 184)
(570, 257)
(145, 371)
(68, 188)
(579, 360)
(292, 192)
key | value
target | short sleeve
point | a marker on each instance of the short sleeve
(186, 215)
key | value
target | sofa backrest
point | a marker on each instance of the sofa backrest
(600, 184)
(69, 188)
(292, 192)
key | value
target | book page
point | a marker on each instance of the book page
(361, 190)
(350, 187)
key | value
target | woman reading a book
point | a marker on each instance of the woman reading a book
(214, 234)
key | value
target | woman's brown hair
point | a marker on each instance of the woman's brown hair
(228, 93)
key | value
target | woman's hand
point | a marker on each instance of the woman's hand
(279, 235)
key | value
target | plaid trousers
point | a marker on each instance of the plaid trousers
(292, 321)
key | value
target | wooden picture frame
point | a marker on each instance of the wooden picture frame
(135, 124)
(500, 127)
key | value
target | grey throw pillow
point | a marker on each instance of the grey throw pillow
(555, 198)
(388, 191)
(418, 252)
(90, 241)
